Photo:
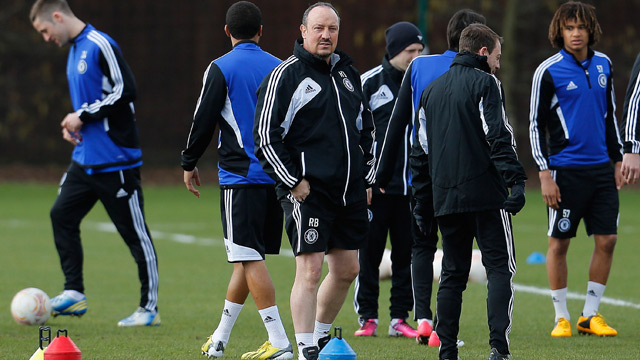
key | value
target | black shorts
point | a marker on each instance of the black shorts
(251, 222)
(319, 225)
(588, 194)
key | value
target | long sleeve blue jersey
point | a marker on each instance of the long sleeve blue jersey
(572, 118)
(228, 100)
(102, 90)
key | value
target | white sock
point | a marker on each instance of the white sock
(559, 298)
(420, 321)
(320, 330)
(275, 329)
(303, 340)
(227, 320)
(74, 294)
(594, 295)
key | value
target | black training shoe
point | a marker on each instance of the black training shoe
(495, 355)
(310, 353)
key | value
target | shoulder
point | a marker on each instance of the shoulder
(547, 65)
(101, 40)
(371, 74)
(601, 56)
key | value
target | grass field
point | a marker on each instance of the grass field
(194, 274)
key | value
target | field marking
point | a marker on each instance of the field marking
(190, 239)
(575, 296)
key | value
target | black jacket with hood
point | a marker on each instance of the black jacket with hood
(470, 145)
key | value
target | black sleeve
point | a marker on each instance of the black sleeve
(394, 138)
(367, 136)
(630, 113)
(421, 184)
(542, 91)
(123, 86)
(499, 135)
(614, 145)
(420, 179)
(206, 117)
(274, 98)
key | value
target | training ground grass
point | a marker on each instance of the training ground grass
(194, 275)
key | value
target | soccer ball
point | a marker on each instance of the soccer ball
(31, 306)
(477, 272)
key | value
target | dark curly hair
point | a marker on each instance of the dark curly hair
(579, 12)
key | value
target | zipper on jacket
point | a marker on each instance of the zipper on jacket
(346, 139)
(586, 73)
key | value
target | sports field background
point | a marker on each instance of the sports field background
(194, 274)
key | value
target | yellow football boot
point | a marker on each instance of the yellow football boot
(268, 351)
(562, 329)
(595, 325)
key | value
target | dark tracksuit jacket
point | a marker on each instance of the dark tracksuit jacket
(390, 213)
(311, 122)
(105, 164)
(472, 161)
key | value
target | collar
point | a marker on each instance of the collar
(569, 56)
(465, 58)
(338, 58)
(449, 53)
(83, 33)
(394, 73)
(249, 44)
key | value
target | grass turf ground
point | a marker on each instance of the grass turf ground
(194, 275)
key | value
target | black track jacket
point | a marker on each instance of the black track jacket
(312, 122)
(469, 142)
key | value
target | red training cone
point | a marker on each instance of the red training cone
(62, 348)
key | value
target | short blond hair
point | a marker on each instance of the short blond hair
(44, 8)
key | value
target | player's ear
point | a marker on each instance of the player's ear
(56, 17)
(226, 31)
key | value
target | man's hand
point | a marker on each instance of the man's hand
(72, 122)
(423, 213)
(631, 168)
(73, 138)
(515, 202)
(189, 178)
(369, 195)
(301, 191)
(550, 190)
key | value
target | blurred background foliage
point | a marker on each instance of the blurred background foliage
(168, 45)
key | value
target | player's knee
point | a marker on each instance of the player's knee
(558, 247)
(607, 243)
(348, 272)
(56, 214)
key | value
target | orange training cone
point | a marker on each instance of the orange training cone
(62, 348)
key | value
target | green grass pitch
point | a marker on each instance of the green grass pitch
(194, 275)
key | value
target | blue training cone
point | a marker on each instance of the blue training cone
(536, 258)
(337, 348)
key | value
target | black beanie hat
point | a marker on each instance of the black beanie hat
(400, 35)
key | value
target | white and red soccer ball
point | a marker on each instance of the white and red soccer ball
(31, 306)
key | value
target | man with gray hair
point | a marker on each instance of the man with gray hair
(314, 136)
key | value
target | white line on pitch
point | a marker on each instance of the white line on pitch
(189, 239)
